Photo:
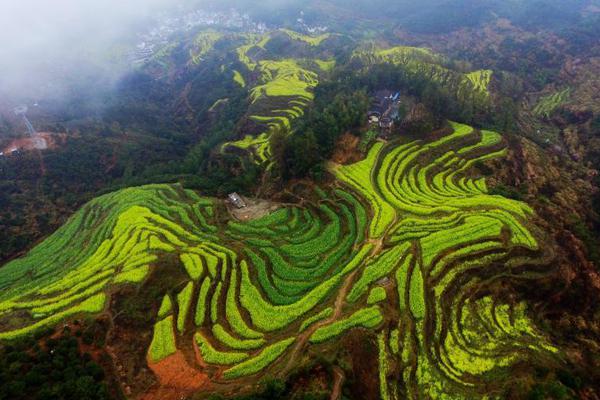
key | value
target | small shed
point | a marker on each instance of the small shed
(374, 117)
(236, 200)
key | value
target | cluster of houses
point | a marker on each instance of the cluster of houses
(312, 30)
(160, 35)
(384, 109)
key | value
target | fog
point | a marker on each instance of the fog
(48, 45)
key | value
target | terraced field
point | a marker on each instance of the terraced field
(402, 245)
(284, 87)
(546, 105)
(423, 62)
(281, 92)
(203, 43)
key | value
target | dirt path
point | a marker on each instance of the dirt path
(338, 382)
(177, 379)
(303, 338)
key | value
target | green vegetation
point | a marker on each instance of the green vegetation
(259, 362)
(284, 78)
(92, 305)
(239, 79)
(376, 295)
(379, 268)
(423, 63)
(410, 224)
(184, 300)
(193, 265)
(326, 65)
(283, 83)
(326, 313)
(480, 80)
(165, 307)
(224, 337)
(359, 177)
(202, 298)
(416, 295)
(383, 366)
(163, 341)
(212, 356)
(311, 40)
(59, 369)
(203, 43)
(367, 318)
(546, 105)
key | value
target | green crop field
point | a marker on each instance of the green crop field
(546, 105)
(280, 91)
(311, 40)
(203, 44)
(424, 63)
(412, 228)
(239, 78)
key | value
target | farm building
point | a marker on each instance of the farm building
(236, 200)
(384, 109)
(386, 123)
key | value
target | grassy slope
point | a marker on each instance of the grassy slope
(255, 300)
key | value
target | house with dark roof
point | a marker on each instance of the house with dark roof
(384, 109)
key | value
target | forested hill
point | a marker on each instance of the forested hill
(419, 210)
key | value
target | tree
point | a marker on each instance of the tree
(301, 153)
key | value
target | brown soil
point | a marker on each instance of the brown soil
(255, 209)
(41, 141)
(364, 383)
(346, 150)
(177, 379)
(303, 338)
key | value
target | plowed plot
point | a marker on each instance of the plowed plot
(409, 229)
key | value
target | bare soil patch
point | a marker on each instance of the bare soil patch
(346, 150)
(176, 379)
(255, 209)
(41, 141)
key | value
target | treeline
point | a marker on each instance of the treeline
(143, 135)
(55, 371)
(341, 106)
(274, 389)
(338, 108)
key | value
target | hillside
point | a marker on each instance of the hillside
(397, 245)
(421, 216)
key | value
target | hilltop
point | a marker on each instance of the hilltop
(428, 221)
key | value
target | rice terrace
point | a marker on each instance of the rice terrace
(300, 200)
(403, 243)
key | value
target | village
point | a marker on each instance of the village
(384, 111)
(156, 38)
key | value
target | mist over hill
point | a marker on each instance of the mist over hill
(300, 200)
(50, 49)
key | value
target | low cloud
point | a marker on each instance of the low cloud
(47, 45)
